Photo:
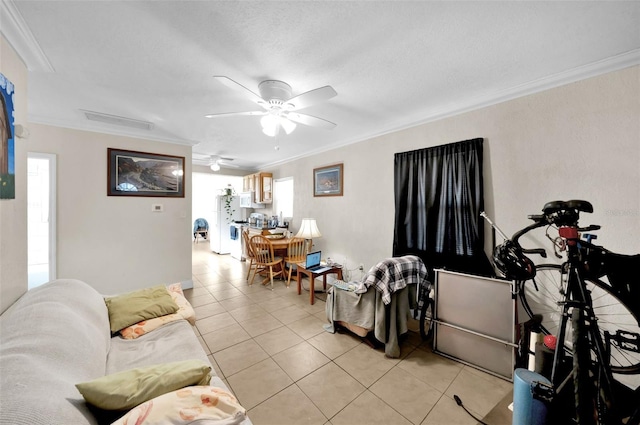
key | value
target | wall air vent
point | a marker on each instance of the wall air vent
(116, 120)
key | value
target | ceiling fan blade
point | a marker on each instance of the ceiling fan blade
(225, 164)
(311, 97)
(221, 160)
(230, 114)
(239, 87)
(201, 157)
(204, 156)
(309, 120)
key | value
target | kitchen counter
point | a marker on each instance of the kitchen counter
(261, 228)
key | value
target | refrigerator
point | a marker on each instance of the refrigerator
(220, 229)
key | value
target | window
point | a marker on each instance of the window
(283, 197)
(439, 197)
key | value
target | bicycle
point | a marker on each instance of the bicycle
(590, 349)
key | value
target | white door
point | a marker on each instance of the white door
(41, 218)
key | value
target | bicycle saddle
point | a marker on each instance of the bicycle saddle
(556, 206)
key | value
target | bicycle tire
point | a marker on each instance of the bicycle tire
(583, 387)
(542, 295)
(426, 319)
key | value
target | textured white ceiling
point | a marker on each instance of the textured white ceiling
(393, 63)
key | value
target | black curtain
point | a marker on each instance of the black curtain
(438, 199)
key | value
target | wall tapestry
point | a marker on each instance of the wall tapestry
(7, 154)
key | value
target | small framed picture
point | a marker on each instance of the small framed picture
(327, 181)
(132, 173)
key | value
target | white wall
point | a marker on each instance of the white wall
(114, 243)
(205, 187)
(579, 141)
(13, 212)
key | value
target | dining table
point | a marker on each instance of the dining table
(280, 245)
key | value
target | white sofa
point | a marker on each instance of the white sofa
(56, 336)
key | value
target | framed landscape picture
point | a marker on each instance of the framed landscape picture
(327, 181)
(132, 173)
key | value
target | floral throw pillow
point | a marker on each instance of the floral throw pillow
(185, 311)
(189, 405)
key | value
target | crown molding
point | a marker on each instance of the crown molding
(17, 32)
(594, 69)
(604, 66)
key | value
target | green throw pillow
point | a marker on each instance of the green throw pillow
(136, 306)
(127, 389)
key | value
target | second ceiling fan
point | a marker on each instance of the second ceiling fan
(278, 107)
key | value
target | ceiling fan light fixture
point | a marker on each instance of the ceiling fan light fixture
(215, 167)
(269, 125)
(288, 125)
(271, 132)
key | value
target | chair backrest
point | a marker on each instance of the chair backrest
(247, 243)
(200, 223)
(297, 250)
(262, 249)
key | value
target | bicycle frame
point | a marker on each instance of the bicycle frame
(577, 296)
(583, 262)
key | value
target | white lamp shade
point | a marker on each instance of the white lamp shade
(215, 167)
(271, 123)
(288, 126)
(309, 229)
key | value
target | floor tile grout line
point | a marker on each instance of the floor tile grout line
(368, 388)
(302, 391)
(283, 294)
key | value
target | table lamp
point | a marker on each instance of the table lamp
(308, 230)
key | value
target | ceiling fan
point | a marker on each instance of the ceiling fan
(216, 161)
(279, 107)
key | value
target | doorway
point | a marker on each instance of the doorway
(41, 218)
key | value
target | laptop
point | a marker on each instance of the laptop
(313, 263)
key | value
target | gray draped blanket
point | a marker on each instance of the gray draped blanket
(368, 311)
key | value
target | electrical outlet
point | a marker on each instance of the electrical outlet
(361, 267)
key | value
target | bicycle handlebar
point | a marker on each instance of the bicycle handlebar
(514, 239)
(560, 213)
(540, 251)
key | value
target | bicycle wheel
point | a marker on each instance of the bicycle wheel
(583, 387)
(426, 319)
(544, 293)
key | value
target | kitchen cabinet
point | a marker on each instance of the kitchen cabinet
(260, 185)
(248, 183)
(266, 183)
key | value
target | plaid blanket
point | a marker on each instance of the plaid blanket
(393, 274)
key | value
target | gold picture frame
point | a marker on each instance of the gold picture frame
(328, 181)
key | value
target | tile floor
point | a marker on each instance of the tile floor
(271, 350)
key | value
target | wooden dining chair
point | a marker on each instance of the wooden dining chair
(265, 260)
(296, 253)
(249, 249)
